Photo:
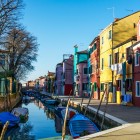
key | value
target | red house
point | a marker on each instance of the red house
(94, 66)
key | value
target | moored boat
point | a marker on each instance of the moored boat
(60, 112)
(52, 102)
(80, 126)
(21, 112)
(7, 116)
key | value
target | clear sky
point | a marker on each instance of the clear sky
(61, 24)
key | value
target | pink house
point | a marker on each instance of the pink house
(67, 85)
(82, 79)
(136, 69)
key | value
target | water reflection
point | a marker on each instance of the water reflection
(40, 124)
(22, 133)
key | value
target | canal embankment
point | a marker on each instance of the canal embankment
(14, 98)
(121, 121)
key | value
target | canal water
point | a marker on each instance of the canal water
(41, 123)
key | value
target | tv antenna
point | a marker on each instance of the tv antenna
(113, 11)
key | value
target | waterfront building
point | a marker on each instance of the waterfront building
(67, 74)
(122, 70)
(80, 72)
(58, 79)
(94, 67)
(50, 80)
(136, 69)
(114, 34)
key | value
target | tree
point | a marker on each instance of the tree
(9, 14)
(23, 48)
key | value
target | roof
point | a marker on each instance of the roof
(85, 61)
(83, 52)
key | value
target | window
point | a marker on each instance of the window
(117, 57)
(102, 40)
(110, 60)
(84, 86)
(137, 58)
(110, 86)
(128, 84)
(118, 85)
(102, 63)
(110, 34)
(102, 87)
(94, 46)
(128, 52)
(85, 71)
(90, 69)
(95, 86)
(138, 88)
(2, 59)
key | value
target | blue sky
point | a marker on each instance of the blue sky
(61, 24)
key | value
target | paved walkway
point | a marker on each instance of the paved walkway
(128, 114)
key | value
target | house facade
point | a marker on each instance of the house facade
(136, 69)
(81, 62)
(82, 79)
(94, 58)
(122, 70)
(58, 79)
(116, 33)
(67, 81)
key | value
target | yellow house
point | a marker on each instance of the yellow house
(122, 69)
(116, 33)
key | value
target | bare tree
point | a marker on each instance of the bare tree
(9, 14)
(23, 48)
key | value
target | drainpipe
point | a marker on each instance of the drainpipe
(114, 97)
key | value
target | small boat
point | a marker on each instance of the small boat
(80, 126)
(58, 138)
(7, 116)
(21, 112)
(52, 102)
(60, 112)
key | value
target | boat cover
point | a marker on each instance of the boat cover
(7, 116)
(20, 111)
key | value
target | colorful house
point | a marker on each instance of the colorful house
(67, 75)
(116, 33)
(136, 69)
(94, 58)
(80, 69)
(58, 79)
(122, 70)
(50, 80)
(82, 79)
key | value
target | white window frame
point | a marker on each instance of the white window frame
(102, 40)
(110, 34)
(136, 89)
(136, 58)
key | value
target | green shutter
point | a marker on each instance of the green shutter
(95, 86)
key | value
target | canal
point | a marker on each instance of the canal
(40, 124)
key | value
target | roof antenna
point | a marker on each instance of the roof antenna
(113, 11)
